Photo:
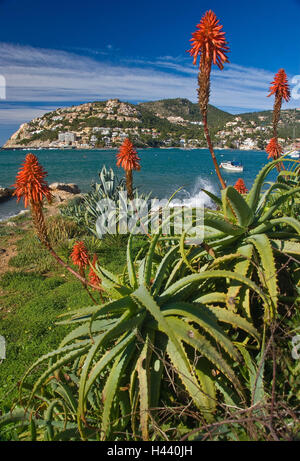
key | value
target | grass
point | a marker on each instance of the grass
(36, 291)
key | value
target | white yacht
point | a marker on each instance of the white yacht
(294, 154)
(232, 166)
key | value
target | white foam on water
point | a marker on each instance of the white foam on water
(196, 198)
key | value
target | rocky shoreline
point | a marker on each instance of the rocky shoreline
(5, 194)
(61, 192)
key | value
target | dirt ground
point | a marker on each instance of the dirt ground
(6, 253)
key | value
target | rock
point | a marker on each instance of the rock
(62, 192)
(11, 224)
(71, 188)
(5, 194)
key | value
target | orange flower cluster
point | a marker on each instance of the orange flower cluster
(274, 149)
(30, 183)
(240, 186)
(93, 277)
(280, 86)
(209, 41)
(79, 255)
(127, 157)
(81, 259)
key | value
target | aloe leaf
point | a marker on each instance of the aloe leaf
(219, 223)
(183, 252)
(279, 201)
(174, 348)
(123, 324)
(58, 364)
(256, 374)
(212, 298)
(162, 268)
(206, 320)
(50, 355)
(157, 367)
(119, 305)
(254, 194)
(241, 268)
(216, 199)
(84, 331)
(144, 298)
(111, 386)
(288, 246)
(240, 207)
(195, 278)
(226, 316)
(149, 260)
(291, 222)
(143, 370)
(191, 336)
(266, 195)
(268, 273)
(130, 264)
(106, 359)
(188, 379)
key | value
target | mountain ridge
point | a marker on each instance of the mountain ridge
(163, 123)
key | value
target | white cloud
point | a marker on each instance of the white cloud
(17, 115)
(57, 77)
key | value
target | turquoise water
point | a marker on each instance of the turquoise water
(163, 170)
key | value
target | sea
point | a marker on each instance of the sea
(163, 171)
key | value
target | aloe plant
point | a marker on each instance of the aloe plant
(91, 207)
(116, 358)
(253, 226)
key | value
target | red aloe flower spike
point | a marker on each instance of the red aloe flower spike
(129, 160)
(275, 150)
(127, 157)
(93, 277)
(240, 186)
(30, 182)
(209, 41)
(31, 185)
(280, 86)
(79, 255)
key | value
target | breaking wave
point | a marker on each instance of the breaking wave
(196, 198)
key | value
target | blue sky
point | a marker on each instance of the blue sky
(60, 53)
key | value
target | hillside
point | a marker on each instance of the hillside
(165, 123)
(173, 109)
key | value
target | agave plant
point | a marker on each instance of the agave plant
(159, 315)
(254, 227)
(93, 206)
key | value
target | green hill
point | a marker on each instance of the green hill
(187, 110)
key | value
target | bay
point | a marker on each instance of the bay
(163, 171)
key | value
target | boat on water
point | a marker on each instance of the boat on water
(232, 166)
(294, 154)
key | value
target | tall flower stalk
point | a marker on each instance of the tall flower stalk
(280, 88)
(128, 159)
(209, 43)
(32, 187)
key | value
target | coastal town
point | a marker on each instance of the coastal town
(166, 124)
